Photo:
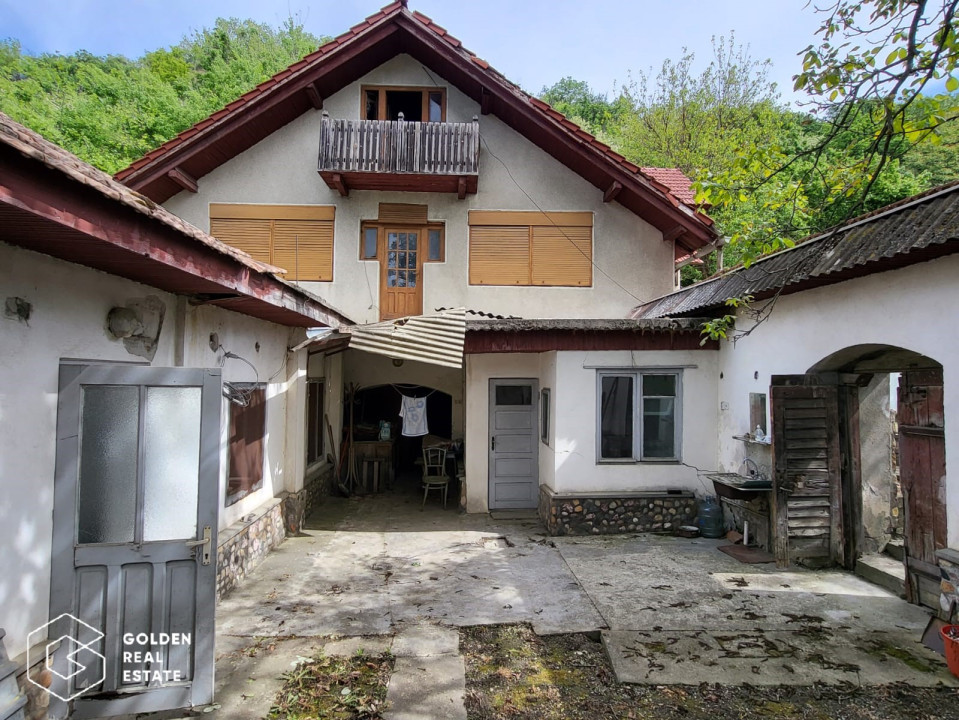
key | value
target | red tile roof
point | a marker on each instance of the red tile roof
(670, 186)
(675, 181)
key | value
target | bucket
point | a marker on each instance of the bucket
(950, 641)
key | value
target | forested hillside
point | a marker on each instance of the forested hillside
(710, 123)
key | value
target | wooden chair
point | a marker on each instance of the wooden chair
(434, 472)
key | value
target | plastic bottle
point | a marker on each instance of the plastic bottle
(711, 518)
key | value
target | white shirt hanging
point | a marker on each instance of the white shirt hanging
(413, 412)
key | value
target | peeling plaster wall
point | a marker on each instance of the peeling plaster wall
(70, 307)
(282, 169)
(911, 308)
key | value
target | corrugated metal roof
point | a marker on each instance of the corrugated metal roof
(433, 339)
(591, 325)
(914, 230)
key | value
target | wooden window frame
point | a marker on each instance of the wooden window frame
(250, 485)
(381, 99)
(315, 421)
(518, 220)
(274, 213)
(422, 229)
(638, 455)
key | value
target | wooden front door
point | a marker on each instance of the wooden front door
(401, 274)
(922, 470)
(807, 478)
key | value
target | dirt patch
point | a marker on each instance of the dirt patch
(512, 673)
(344, 688)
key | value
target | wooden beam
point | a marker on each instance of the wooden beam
(183, 179)
(674, 234)
(486, 99)
(316, 100)
(612, 191)
(461, 188)
(340, 184)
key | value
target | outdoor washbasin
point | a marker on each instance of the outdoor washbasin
(739, 487)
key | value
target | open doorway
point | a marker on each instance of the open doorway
(859, 456)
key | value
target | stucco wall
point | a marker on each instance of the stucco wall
(899, 307)
(282, 169)
(70, 306)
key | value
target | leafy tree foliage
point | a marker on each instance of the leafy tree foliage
(111, 110)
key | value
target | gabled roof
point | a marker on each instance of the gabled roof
(674, 179)
(54, 203)
(910, 231)
(394, 30)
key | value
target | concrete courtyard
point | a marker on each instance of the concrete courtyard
(380, 573)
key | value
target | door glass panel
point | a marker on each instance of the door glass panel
(412, 241)
(616, 417)
(107, 499)
(435, 251)
(514, 395)
(171, 462)
(436, 107)
(402, 259)
(391, 278)
(411, 278)
(391, 259)
(411, 259)
(369, 243)
(392, 241)
(372, 104)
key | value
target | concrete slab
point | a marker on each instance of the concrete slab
(425, 688)
(424, 640)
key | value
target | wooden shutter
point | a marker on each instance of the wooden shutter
(247, 432)
(807, 474)
(304, 248)
(499, 256)
(250, 235)
(403, 214)
(562, 256)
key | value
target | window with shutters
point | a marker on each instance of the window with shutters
(245, 450)
(531, 248)
(639, 415)
(297, 238)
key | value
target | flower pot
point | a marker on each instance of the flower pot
(950, 641)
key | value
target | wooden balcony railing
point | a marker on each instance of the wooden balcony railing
(349, 148)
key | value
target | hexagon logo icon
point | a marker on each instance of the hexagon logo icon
(79, 658)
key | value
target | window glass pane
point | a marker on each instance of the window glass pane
(315, 432)
(435, 246)
(514, 395)
(107, 500)
(664, 385)
(369, 242)
(412, 241)
(372, 104)
(411, 278)
(616, 417)
(402, 259)
(171, 462)
(392, 241)
(659, 424)
(436, 107)
(391, 278)
(391, 260)
(411, 260)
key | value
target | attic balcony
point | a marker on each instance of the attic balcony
(399, 155)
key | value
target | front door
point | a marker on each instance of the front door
(514, 450)
(401, 282)
(922, 471)
(134, 545)
(807, 473)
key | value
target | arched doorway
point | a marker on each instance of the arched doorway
(828, 429)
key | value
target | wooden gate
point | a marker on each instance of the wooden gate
(922, 469)
(807, 487)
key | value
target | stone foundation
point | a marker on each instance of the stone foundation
(949, 586)
(615, 513)
(298, 506)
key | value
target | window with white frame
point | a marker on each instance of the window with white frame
(639, 415)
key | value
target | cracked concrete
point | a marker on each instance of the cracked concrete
(379, 573)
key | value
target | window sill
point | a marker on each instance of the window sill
(655, 461)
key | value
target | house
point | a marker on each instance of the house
(393, 173)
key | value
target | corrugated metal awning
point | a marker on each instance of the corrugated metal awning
(434, 339)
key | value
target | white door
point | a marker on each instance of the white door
(514, 450)
(134, 539)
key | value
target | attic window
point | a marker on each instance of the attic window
(416, 104)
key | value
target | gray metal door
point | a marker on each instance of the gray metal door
(134, 538)
(514, 451)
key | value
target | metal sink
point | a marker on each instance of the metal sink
(738, 487)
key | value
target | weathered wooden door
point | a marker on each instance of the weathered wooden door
(922, 469)
(401, 283)
(134, 545)
(514, 448)
(807, 489)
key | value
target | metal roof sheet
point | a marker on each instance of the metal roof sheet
(433, 339)
(913, 230)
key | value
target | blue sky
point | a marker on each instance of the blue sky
(533, 42)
